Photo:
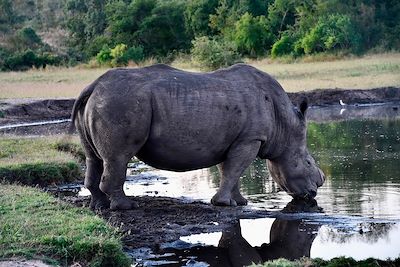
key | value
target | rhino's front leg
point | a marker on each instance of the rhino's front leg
(238, 159)
(112, 183)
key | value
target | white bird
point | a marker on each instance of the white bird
(342, 103)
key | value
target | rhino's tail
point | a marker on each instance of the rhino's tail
(80, 103)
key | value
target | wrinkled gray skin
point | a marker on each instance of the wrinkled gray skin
(180, 121)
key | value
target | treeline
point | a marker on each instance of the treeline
(215, 32)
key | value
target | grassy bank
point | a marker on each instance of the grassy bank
(365, 72)
(34, 224)
(40, 161)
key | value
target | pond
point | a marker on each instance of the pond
(358, 150)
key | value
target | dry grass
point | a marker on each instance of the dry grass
(352, 73)
(52, 82)
(366, 72)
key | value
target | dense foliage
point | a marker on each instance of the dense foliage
(161, 29)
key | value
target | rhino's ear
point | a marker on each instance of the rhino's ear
(304, 106)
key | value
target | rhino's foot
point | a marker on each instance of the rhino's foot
(99, 203)
(122, 203)
(219, 200)
(240, 200)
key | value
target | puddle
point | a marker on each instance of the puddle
(30, 124)
(260, 240)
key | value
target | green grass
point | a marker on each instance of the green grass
(39, 161)
(335, 262)
(34, 224)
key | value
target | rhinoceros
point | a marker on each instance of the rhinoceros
(178, 120)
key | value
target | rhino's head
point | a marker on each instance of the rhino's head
(295, 169)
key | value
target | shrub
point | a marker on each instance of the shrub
(104, 56)
(29, 59)
(212, 53)
(252, 36)
(282, 47)
(134, 53)
(120, 55)
(29, 36)
(96, 45)
(335, 31)
(117, 54)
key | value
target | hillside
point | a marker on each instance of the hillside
(215, 33)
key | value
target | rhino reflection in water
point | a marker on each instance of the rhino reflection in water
(177, 120)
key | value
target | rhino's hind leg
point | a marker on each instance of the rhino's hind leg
(94, 170)
(112, 183)
(238, 159)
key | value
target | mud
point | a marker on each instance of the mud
(162, 220)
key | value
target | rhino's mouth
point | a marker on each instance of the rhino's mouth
(309, 196)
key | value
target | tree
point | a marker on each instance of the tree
(252, 35)
(197, 14)
(332, 32)
(7, 14)
(85, 21)
(124, 19)
(213, 53)
(164, 31)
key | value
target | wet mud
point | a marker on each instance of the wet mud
(159, 221)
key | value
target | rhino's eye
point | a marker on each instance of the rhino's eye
(308, 162)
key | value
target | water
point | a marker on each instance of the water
(30, 124)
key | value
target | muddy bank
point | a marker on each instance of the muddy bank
(161, 220)
(26, 110)
(22, 110)
(320, 97)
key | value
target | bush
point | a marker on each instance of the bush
(333, 32)
(134, 53)
(24, 39)
(283, 46)
(252, 35)
(26, 60)
(117, 54)
(213, 53)
(29, 36)
(104, 56)
(120, 55)
(96, 45)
